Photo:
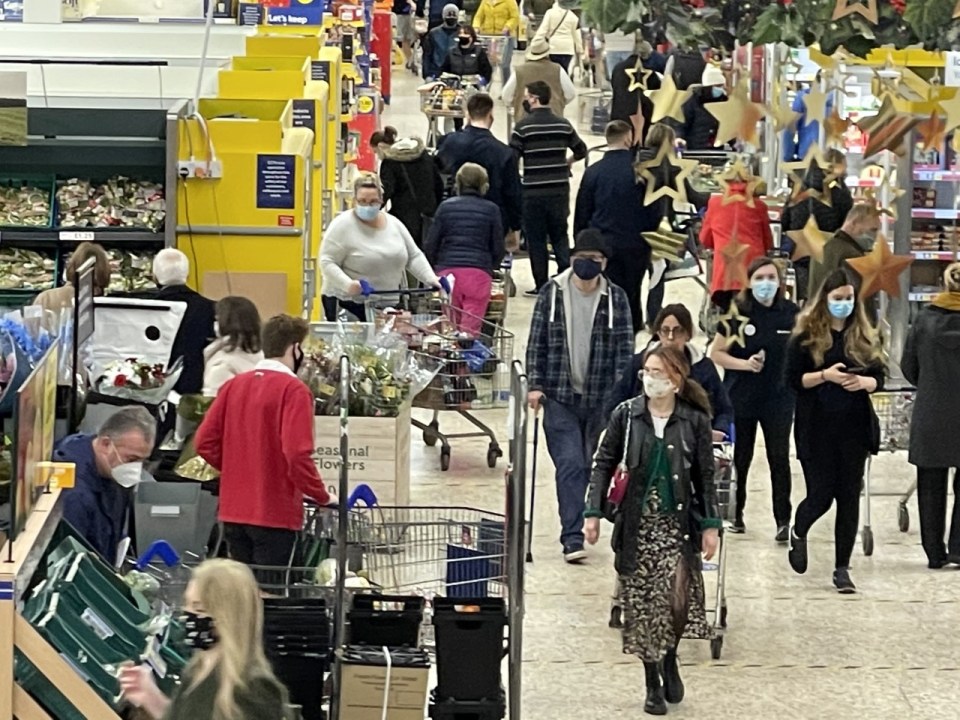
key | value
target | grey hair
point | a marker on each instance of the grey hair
(474, 177)
(171, 267)
(951, 277)
(129, 419)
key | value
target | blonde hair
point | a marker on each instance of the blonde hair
(860, 342)
(368, 180)
(474, 177)
(661, 134)
(951, 277)
(228, 593)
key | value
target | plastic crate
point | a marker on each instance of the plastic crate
(390, 620)
(468, 710)
(476, 624)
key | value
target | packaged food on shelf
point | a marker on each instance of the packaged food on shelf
(26, 269)
(24, 205)
(119, 202)
(130, 271)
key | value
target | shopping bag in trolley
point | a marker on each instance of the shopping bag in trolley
(476, 561)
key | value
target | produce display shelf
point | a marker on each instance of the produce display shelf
(103, 236)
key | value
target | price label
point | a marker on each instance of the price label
(79, 235)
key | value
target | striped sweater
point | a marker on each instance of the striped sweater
(542, 139)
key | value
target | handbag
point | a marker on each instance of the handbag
(621, 476)
(425, 220)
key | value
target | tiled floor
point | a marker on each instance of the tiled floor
(794, 647)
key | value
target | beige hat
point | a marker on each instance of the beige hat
(539, 49)
(712, 75)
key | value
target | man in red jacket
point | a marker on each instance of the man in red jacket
(259, 434)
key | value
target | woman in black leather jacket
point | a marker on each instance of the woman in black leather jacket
(668, 515)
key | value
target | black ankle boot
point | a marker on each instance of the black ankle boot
(654, 704)
(672, 683)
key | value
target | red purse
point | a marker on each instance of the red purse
(621, 476)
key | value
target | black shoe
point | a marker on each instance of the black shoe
(738, 527)
(798, 553)
(937, 564)
(842, 581)
(532, 293)
(672, 683)
(654, 704)
(953, 559)
(783, 534)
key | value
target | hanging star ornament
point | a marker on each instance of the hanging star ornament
(738, 117)
(932, 131)
(668, 100)
(731, 318)
(801, 174)
(952, 109)
(665, 244)
(735, 256)
(808, 241)
(886, 129)
(815, 103)
(740, 175)
(836, 126)
(880, 269)
(636, 84)
(956, 10)
(665, 175)
(867, 9)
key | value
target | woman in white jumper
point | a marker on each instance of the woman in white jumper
(366, 250)
(237, 347)
(561, 29)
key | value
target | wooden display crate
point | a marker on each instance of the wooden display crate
(379, 454)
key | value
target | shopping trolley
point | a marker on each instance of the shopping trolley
(496, 47)
(894, 409)
(475, 366)
(445, 99)
(725, 480)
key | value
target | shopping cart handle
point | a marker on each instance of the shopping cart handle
(364, 494)
(161, 549)
(732, 433)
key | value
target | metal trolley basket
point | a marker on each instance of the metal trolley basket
(725, 479)
(894, 409)
(475, 371)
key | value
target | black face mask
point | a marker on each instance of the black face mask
(298, 356)
(527, 107)
(586, 269)
(464, 42)
(200, 629)
(450, 22)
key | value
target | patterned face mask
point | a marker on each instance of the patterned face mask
(200, 629)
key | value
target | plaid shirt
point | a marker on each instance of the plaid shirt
(548, 355)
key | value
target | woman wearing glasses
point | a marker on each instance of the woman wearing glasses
(673, 327)
(751, 348)
(667, 516)
(366, 250)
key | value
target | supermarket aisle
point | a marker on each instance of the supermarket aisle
(795, 648)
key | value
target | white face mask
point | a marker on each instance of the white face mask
(128, 474)
(654, 387)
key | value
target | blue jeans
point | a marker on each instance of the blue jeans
(572, 433)
(506, 60)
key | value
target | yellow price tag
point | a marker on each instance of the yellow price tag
(59, 475)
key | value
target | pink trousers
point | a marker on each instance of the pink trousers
(471, 294)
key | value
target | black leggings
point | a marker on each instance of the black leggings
(834, 473)
(776, 436)
(932, 499)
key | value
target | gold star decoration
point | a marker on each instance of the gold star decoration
(738, 117)
(880, 269)
(956, 10)
(735, 257)
(668, 100)
(815, 103)
(665, 244)
(809, 240)
(801, 174)
(867, 9)
(952, 108)
(887, 128)
(835, 126)
(932, 131)
(665, 175)
(738, 173)
(731, 318)
(640, 84)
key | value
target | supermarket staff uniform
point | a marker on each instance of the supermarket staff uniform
(259, 434)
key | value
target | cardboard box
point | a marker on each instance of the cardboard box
(379, 454)
(362, 689)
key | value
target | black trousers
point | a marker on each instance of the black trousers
(626, 269)
(563, 61)
(545, 221)
(268, 550)
(332, 305)
(776, 426)
(654, 296)
(834, 474)
(932, 498)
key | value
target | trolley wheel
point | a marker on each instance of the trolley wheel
(616, 618)
(867, 541)
(511, 287)
(445, 459)
(716, 647)
(494, 453)
(430, 434)
(903, 517)
(723, 616)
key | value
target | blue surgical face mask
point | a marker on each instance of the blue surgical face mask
(840, 309)
(764, 290)
(367, 213)
(717, 92)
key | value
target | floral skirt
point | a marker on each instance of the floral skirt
(663, 597)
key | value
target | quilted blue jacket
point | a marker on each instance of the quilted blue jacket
(548, 354)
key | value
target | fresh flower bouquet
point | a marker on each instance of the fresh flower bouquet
(131, 379)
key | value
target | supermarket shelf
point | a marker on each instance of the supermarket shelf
(935, 213)
(937, 175)
(77, 235)
(855, 182)
(921, 296)
(944, 255)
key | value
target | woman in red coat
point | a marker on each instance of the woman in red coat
(726, 228)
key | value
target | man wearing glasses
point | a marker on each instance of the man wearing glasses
(581, 341)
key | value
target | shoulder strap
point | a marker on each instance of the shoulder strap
(626, 437)
(559, 24)
(403, 169)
